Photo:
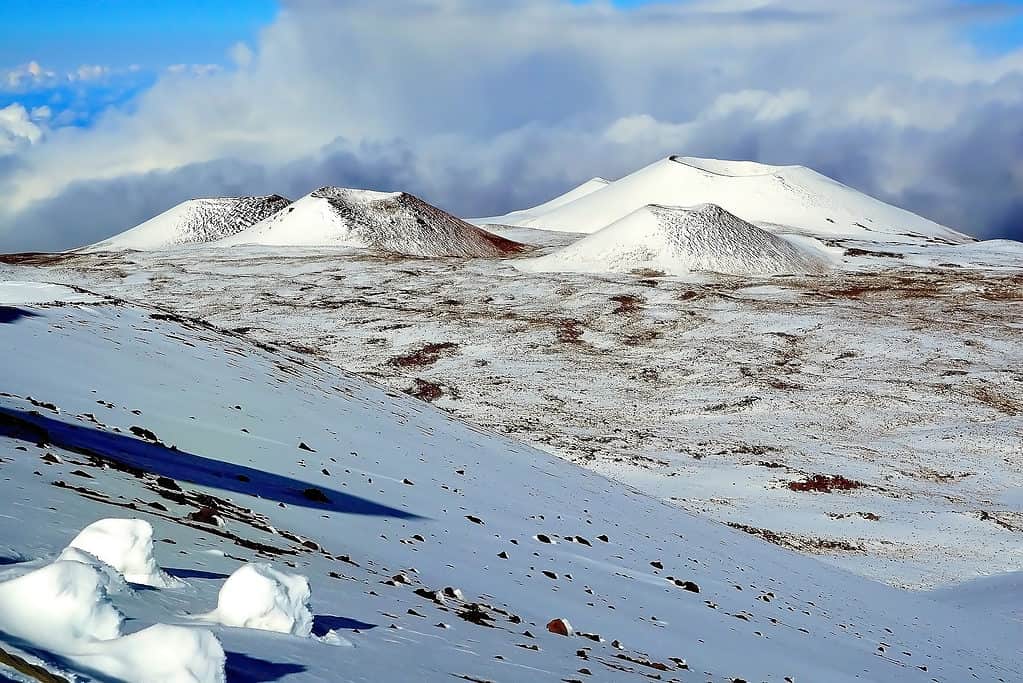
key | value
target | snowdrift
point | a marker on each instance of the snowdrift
(127, 546)
(678, 241)
(781, 198)
(64, 610)
(388, 221)
(258, 596)
(195, 221)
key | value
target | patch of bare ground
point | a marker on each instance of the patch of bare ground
(646, 272)
(1002, 402)
(568, 331)
(27, 669)
(627, 303)
(424, 390)
(820, 483)
(805, 544)
(1010, 521)
(423, 356)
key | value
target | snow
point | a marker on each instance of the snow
(15, 292)
(158, 654)
(63, 614)
(777, 198)
(317, 508)
(390, 486)
(393, 222)
(58, 607)
(194, 221)
(258, 596)
(127, 546)
(679, 241)
(590, 186)
(712, 393)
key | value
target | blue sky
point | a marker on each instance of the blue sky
(152, 33)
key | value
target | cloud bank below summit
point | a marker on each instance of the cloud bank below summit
(481, 108)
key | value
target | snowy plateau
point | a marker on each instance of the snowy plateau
(713, 421)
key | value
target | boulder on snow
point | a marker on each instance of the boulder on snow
(560, 627)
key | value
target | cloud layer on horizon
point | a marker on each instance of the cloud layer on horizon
(484, 107)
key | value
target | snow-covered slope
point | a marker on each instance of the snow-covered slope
(388, 221)
(518, 217)
(793, 197)
(439, 551)
(678, 241)
(195, 221)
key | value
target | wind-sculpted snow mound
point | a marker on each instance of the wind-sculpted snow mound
(260, 597)
(395, 222)
(127, 546)
(63, 609)
(780, 198)
(60, 603)
(679, 241)
(195, 221)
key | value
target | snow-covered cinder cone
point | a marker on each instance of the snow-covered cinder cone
(58, 606)
(680, 241)
(195, 221)
(387, 221)
(258, 596)
(127, 546)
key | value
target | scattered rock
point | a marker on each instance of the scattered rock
(143, 433)
(560, 627)
(315, 495)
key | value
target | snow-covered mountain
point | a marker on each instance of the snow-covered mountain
(389, 221)
(679, 241)
(778, 198)
(195, 221)
(523, 215)
(432, 550)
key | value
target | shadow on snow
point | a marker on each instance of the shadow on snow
(12, 314)
(155, 458)
(248, 669)
(323, 623)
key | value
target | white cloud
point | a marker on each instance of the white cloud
(17, 129)
(539, 94)
(241, 54)
(27, 76)
(89, 72)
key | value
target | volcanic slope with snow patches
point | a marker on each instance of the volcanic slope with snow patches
(679, 241)
(438, 551)
(388, 221)
(195, 221)
(792, 199)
